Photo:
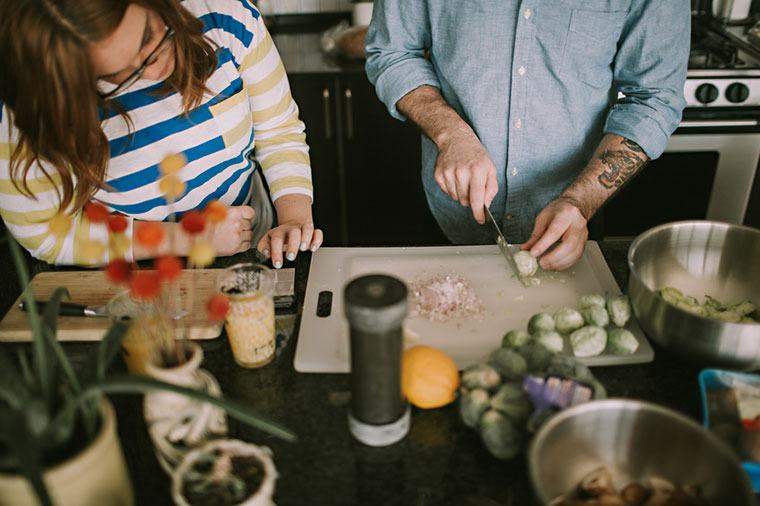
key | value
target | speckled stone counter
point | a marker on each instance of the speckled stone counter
(440, 462)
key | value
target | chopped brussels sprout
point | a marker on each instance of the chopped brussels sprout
(509, 363)
(526, 264)
(670, 294)
(499, 435)
(550, 340)
(515, 339)
(472, 406)
(599, 391)
(592, 300)
(512, 401)
(480, 376)
(536, 355)
(567, 320)
(744, 308)
(696, 309)
(619, 309)
(540, 322)
(596, 315)
(622, 342)
(711, 307)
(588, 341)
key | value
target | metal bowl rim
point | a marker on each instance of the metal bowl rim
(622, 403)
(677, 224)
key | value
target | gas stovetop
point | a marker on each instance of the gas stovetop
(724, 70)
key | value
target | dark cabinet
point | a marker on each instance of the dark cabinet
(366, 165)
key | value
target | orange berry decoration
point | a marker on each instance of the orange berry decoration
(149, 233)
(218, 307)
(215, 212)
(193, 222)
(172, 187)
(172, 164)
(144, 285)
(117, 223)
(118, 271)
(168, 268)
(429, 377)
(96, 212)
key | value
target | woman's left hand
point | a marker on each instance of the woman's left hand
(295, 231)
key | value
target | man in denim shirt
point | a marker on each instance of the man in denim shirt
(518, 103)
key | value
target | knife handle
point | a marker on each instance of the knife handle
(66, 308)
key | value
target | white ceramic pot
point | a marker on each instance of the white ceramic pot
(262, 497)
(177, 423)
(95, 476)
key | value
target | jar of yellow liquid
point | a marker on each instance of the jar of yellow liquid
(250, 324)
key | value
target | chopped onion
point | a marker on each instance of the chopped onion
(443, 297)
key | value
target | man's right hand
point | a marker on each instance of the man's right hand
(465, 172)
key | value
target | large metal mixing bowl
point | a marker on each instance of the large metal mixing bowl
(698, 258)
(634, 440)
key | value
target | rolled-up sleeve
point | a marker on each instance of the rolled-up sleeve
(650, 71)
(396, 42)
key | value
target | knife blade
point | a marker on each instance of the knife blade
(75, 309)
(503, 245)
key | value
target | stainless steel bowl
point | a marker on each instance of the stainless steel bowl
(634, 440)
(698, 257)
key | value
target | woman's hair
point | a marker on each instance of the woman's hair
(49, 84)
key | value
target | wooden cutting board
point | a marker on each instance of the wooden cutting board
(92, 288)
(323, 340)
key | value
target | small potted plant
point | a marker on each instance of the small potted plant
(58, 438)
(225, 472)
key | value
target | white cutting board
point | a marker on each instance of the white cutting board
(323, 342)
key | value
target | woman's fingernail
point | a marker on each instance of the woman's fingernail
(304, 246)
(277, 265)
(291, 256)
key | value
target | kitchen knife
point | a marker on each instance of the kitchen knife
(501, 241)
(70, 309)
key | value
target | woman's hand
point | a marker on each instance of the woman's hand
(295, 231)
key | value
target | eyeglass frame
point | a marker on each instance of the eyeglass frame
(137, 74)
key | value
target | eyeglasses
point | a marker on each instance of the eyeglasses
(150, 60)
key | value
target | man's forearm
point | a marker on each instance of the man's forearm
(615, 162)
(426, 108)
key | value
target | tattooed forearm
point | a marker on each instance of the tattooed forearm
(619, 165)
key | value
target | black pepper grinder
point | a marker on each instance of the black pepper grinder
(375, 307)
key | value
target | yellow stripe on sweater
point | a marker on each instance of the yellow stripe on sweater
(290, 182)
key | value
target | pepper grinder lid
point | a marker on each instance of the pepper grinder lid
(376, 303)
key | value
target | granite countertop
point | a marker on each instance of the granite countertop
(440, 462)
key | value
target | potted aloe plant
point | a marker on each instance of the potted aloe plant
(58, 439)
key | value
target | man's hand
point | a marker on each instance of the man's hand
(465, 172)
(562, 221)
(234, 234)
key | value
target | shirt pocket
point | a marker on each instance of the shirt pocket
(592, 41)
(234, 120)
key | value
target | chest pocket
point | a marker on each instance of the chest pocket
(234, 120)
(579, 38)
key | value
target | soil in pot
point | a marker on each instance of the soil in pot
(222, 479)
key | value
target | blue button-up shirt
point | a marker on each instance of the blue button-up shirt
(540, 82)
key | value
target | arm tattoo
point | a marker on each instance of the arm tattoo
(621, 165)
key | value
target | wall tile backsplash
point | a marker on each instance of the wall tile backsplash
(302, 6)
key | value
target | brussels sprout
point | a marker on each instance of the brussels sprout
(512, 401)
(622, 342)
(480, 376)
(713, 303)
(472, 406)
(499, 435)
(567, 320)
(515, 339)
(568, 367)
(540, 322)
(599, 391)
(728, 316)
(596, 315)
(588, 341)
(526, 264)
(619, 309)
(592, 300)
(743, 308)
(670, 294)
(536, 355)
(550, 340)
(509, 363)
(537, 419)
(695, 308)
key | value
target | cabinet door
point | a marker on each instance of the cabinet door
(316, 98)
(385, 201)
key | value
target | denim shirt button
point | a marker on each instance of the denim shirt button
(518, 123)
(527, 13)
(521, 71)
(510, 216)
(514, 171)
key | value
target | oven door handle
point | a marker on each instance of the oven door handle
(718, 123)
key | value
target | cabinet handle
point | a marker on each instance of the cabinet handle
(349, 113)
(326, 112)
